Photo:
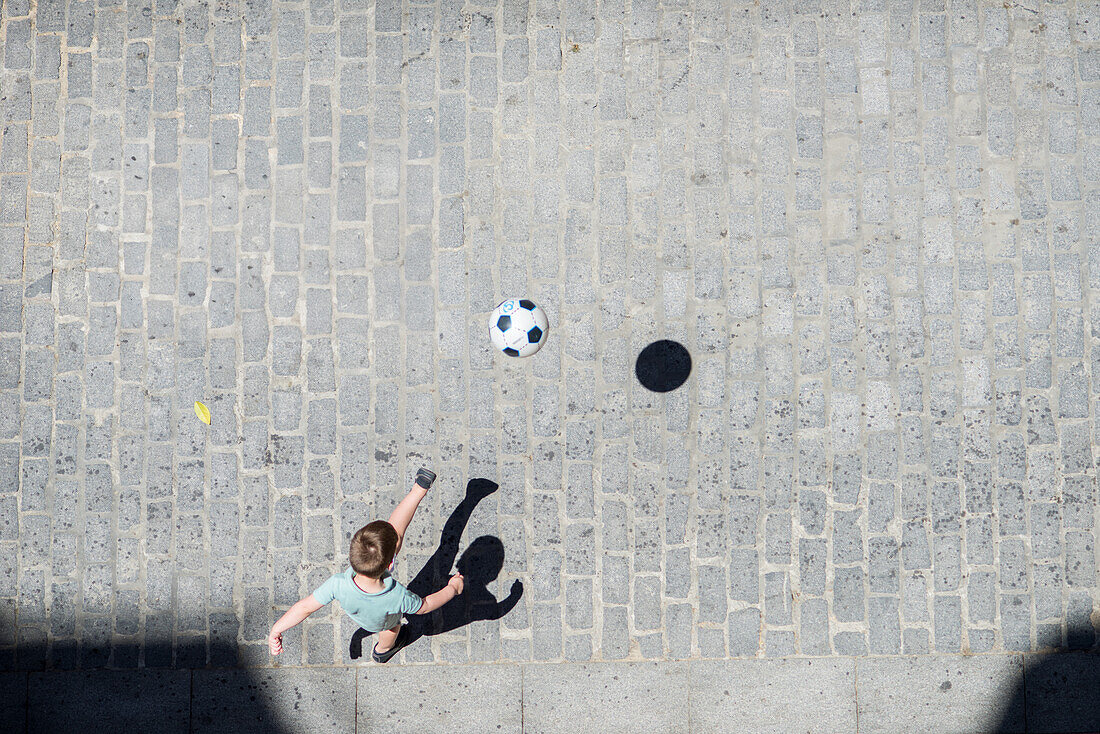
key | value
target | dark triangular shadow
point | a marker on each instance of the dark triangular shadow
(1056, 692)
(479, 565)
(181, 687)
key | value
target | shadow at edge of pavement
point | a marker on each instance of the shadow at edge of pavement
(40, 699)
(1057, 692)
(72, 688)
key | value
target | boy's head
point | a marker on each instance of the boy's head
(372, 549)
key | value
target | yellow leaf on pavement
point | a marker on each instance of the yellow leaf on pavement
(202, 412)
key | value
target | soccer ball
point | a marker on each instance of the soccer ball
(518, 327)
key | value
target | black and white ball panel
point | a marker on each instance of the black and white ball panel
(518, 327)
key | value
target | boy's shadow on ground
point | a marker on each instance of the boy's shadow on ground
(479, 565)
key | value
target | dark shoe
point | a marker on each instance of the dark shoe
(400, 642)
(424, 478)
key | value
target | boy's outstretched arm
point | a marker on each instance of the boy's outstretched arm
(301, 609)
(441, 597)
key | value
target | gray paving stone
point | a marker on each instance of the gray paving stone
(554, 707)
(1051, 707)
(129, 691)
(492, 695)
(322, 695)
(948, 693)
(719, 689)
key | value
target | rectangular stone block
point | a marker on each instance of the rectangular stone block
(260, 700)
(13, 689)
(604, 696)
(492, 698)
(884, 627)
(1051, 704)
(941, 693)
(756, 695)
(121, 700)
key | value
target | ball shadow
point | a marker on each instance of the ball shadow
(663, 366)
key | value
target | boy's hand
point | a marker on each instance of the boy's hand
(275, 644)
(456, 583)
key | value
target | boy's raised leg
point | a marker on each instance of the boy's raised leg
(402, 515)
(394, 639)
(386, 638)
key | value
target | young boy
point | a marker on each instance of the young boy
(366, 591)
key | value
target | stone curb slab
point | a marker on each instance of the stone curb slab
(1063, 693)
(940, 694)
(773, 695)
(106, 701)
(285, 699)
(920, 694)
(606, 697)
(456, 699)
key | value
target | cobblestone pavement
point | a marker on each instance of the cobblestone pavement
(874, 225)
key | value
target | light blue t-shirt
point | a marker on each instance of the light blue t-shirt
(373, 612)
